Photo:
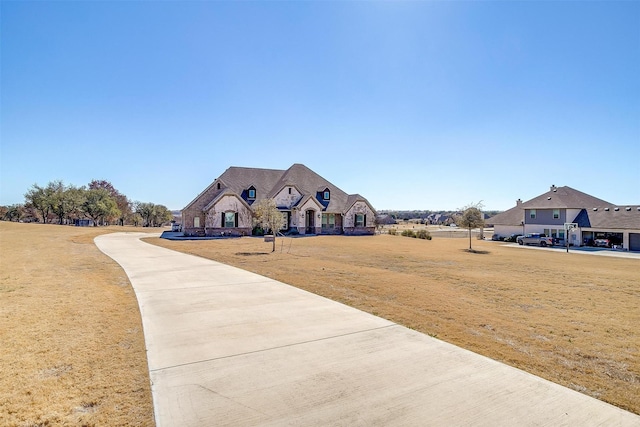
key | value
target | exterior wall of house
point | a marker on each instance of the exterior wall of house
(213, 219)
(309, 205)
(507, 230)
(336, 229)
(284, 199)
(196, 210)
(294, 220)
(349, 221)
(545, 216)
(544, 222)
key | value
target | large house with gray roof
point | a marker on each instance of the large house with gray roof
(595, 218)
(310, 204)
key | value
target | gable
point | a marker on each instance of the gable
(287, 196)
(308, 202)
(354, 199)
(225, 198)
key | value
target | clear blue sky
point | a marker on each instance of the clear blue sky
(415, 105)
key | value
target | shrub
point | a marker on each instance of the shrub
(409, 233)
(423, 234)
(393, 231)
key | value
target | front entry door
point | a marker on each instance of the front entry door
(310, 222)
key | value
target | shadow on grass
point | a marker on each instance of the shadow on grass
(474, 251)
(252, 253)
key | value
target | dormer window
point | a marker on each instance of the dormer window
(326, 195)
(251, 193)
(218, 186)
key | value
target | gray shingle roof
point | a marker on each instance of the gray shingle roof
(610, 218)
(268, 182)
(564, 197)
(513, 216)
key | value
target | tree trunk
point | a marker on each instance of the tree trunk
(469, 238)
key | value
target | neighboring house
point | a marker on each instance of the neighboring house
(438, 219)
(386, 219)
(596, 218)
(310, 204)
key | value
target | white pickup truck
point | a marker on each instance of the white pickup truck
(537, 239)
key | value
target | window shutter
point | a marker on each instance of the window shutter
(236, 222)
(222, 224)
(364, 221)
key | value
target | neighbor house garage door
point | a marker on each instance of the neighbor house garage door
(634, 241)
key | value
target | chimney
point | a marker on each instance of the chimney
(518, 202)
(553, 188)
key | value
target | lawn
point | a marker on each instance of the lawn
(71, 337)
(73, 349)
(570, 318)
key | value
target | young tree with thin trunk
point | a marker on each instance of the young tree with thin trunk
(268, 216)
(471, 217)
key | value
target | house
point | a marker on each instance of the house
(386, 219)
(439, 219)
(310, 203)
(594, 218)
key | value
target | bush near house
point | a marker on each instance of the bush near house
(420, 234)
(423, 234)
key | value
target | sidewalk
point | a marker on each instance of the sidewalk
(231, 348)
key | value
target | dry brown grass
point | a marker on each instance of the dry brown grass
(571, 318)
(72, 346)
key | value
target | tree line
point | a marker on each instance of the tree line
(99, 202)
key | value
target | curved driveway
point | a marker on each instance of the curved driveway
(229, 347)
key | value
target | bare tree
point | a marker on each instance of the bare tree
(269, 217)
(471, 217)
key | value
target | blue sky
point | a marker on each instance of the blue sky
(415, 105)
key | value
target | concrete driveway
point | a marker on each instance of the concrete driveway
(231, 348)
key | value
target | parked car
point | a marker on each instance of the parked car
(603, 243)
(512, 238)
(497, 238)
(538, 239)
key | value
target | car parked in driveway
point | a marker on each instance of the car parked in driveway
(538, 239)
(513, 238)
